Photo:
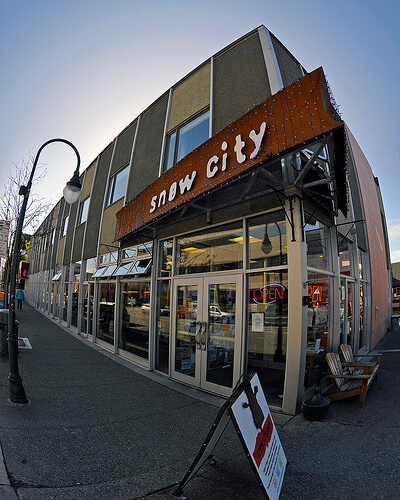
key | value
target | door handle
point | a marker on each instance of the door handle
(198, 334)
(203, 331)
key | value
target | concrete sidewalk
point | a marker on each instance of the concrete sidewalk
(100, 429)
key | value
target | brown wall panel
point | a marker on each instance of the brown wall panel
(190, 97)
(288, 64)
(146, 157)
(376, 242)
(240, 81)
(97, 203)
(109, 226)
(123, 148)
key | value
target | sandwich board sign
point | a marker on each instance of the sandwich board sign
(250, 414)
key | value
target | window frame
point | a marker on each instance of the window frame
(176, 133)
(64, 226)
(81, 206)
(109, 200)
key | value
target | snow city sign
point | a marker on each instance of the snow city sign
(298, 114)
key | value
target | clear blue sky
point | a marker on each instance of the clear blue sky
(82, 70)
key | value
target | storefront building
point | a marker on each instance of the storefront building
(235, 226)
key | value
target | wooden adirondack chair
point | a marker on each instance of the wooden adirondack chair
(349, 385)
(348, 357)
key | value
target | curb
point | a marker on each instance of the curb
(6, 490)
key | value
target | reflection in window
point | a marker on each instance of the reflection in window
(123, 269)
(163, 315)
(105, 329)
(87, 309)
(165, 269)
(344, 257)
(145, 249)
(135, 316)
(65, 300)
(91, 265)
(64, 226)
(109, 257)
(75, 291)
(267, 327)
(83, 211)
(186, 318)
(267, 241)
(317, 245)
(318, 337)
(128, 253)
(219, 249)
(117, 186)
(362, 264)
(221, 333)
(185, 139)
(361, 338)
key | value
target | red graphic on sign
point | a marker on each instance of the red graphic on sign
(315, 292)
(262, 440)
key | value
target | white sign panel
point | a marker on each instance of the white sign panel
(4, 228)
(263, 443)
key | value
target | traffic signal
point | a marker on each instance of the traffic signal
(24, 270)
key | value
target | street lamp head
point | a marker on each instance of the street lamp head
(72, 190)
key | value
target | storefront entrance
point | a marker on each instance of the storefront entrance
(206, 325)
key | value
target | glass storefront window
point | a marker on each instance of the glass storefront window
(222, 333)
(75, 291)
(218, 249)
(186, 318)
(108, 257)
(318, 335)
(344, 258)
(361, 338)
(56, 300)
(65, 298)
(267, 241)
(105, 330)
(317, 245)
(267, 327)
(135, 315)
(145, 249)
(165, 270)
(87, 309)
(318, 309)
(128, 253)
(91, 266)
(52, 299)
(361, 261)
(185, 139)
(163, 318)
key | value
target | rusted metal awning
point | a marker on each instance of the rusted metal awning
(299, 115)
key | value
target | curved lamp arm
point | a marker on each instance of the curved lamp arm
(17, 392)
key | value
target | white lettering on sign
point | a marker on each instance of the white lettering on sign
(238, 149)
(186, 183)
(214, 164)
(257, 138)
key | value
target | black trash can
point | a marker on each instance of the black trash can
(4, 331)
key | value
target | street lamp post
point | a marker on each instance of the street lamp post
(72, 193)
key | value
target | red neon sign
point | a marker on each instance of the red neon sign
(315, 292)
(268, 293)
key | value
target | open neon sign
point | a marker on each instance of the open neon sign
(268, 294)
(315, 292)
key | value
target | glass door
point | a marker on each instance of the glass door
(347, 313)
(206, 324)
